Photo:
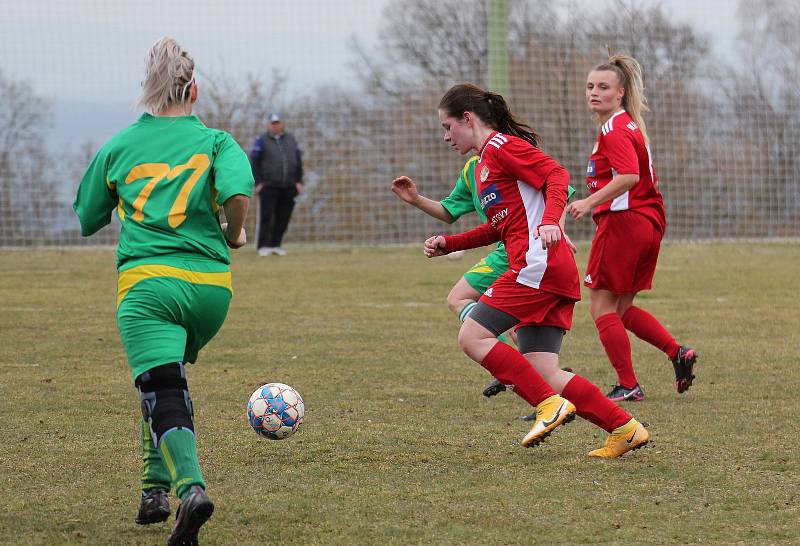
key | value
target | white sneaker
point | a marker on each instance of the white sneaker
(279, 251)
(266, 251)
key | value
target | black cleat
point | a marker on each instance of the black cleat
(623, 394)
(192, 513)
(684, 367)
(154, 507)
(493, 388)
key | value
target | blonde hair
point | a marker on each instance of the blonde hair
(168, 76)
(629, 74)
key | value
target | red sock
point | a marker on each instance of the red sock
(509, 366)
(593, 406)
(615, 341)
(646, 327)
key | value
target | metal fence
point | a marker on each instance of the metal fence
(724, 122)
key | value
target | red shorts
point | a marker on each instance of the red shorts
(530, 306)
(624, 253)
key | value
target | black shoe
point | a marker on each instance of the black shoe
(684, 366)
(493, 388)
(154, 507)
(194, 511)
(623, 394)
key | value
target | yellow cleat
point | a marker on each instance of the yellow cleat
(628, 437)
(550, 413)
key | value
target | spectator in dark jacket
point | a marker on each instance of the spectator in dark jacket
(278, 172)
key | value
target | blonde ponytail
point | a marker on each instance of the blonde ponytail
(168, 76)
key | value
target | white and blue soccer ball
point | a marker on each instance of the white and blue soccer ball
(275, 411)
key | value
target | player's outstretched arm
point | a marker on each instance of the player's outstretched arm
(236, 213)
(405, 188)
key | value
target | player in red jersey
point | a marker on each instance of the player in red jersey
(523, 192)
(629, 213)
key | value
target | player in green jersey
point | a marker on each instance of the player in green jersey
(464, 199)
(167, 176)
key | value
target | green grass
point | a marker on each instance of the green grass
(398, 446)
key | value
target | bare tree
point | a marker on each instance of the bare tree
(25, 192)
(240, 105)
(765, 101)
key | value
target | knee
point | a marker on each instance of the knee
(165, 400)
(465, 340)
(599, 306)
(471, 344)
(456, 301)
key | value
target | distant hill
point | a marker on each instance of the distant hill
(76, 122)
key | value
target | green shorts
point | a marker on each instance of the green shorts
(163, 319)
(486, 271)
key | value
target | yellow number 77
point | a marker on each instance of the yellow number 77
(156, 172)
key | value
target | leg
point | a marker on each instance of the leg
(460, 297)
(478, 340)
(167, 408)
(647, 327)
(466, 292)
(266, 217)
(542, 344)
(154, 505)
(603, 306)
(147, 318)
(283, 213)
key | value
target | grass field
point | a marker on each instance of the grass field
(398, 446)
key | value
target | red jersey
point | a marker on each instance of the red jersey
(621, 149)
(520, 188)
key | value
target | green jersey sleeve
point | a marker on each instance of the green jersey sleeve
(570, 192)
(232, 172)
(97, 196)
(462, 197)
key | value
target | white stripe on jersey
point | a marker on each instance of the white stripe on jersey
(650, 163)
(536, 257)
(620, 202)
(498, 140)
(608, 126)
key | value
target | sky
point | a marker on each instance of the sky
(86, 56)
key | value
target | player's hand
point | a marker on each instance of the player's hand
(549, 234)
(578, 209)
(258, 189)
(234, 242)
(405, 188)
(570, 244)
(434, 246)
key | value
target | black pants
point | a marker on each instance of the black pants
(274, 211)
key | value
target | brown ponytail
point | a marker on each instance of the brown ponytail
(490, 107)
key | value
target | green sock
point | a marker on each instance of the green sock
(154, 472)
(179, 452)
(462, 316)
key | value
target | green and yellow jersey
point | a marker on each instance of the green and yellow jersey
(166, 177)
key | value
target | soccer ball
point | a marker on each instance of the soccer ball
(275, 411)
